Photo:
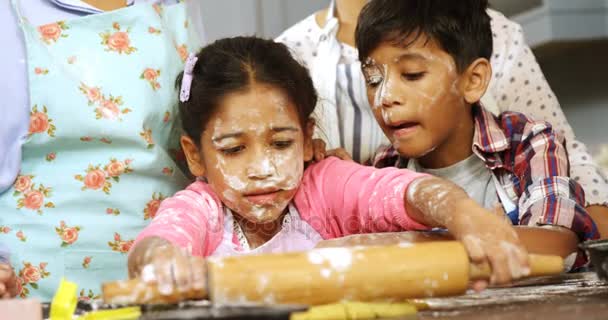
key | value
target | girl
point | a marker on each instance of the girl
(246, 107)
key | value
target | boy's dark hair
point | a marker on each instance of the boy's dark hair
(461, 27)
(233, 64)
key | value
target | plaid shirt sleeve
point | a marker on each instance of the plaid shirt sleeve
(384, 157)
(548, 196)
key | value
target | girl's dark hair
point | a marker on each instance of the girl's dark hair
(461, 27)
(233, 64)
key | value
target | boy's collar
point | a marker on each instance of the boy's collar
(489, 136)
(488, 140)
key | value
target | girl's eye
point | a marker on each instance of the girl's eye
(284, 144)
(232, 151)
(413, 76)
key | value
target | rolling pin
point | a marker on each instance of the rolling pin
(547, 240)
(322, 276)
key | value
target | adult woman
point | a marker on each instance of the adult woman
(324, 42)
(89, 149)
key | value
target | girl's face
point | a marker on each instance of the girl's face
(253, 151)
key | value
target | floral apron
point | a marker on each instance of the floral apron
(98, 158)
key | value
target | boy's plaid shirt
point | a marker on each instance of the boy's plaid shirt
(531, 163)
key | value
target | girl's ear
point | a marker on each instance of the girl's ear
(308, 133)
(193, 156)
(476, 80)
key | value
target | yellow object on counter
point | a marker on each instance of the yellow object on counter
(419, 304)
(130, 313)
(64, 302)
(356, 310)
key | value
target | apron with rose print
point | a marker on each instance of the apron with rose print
(99, 155)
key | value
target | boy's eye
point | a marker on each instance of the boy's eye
(232, 151)
(282, 144)
(373, 81)
(413, 76)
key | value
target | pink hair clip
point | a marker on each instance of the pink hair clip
(184, 93)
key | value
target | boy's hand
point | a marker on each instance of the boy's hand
(173, 270)
(488, 237)
(8, 281)
(320, 152)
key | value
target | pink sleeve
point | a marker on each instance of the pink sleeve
(339, 198)
(191, 219)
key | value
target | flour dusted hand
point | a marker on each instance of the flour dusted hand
(172, 269)
(490, 238)
(8, 281)
(486, 236)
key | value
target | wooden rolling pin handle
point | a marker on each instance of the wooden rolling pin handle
(136, 291)
(540, 265)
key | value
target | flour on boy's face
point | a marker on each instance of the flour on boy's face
(252, 152)
(415, 95)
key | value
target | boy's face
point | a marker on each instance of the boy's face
(416, 94)
(252, 152)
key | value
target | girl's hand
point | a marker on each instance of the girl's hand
(320, 152)
(172, 269)
(489, 237)
(8, 281)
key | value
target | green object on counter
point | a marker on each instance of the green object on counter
(65, 301)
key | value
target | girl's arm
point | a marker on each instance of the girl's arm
(340, 198)
(187, 227)
(192, 219)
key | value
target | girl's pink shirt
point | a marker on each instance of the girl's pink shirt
(337, 198)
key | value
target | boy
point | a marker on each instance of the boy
(426, 66)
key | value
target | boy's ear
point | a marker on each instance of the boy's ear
(476, 80)
(193, 156)
(308, 146)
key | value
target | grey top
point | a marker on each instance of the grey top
(471, 174)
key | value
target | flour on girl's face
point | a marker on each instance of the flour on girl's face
(253, 152)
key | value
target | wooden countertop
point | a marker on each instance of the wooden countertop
(572, 296)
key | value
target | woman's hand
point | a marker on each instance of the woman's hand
(320, 152)
(171, 268)
(8, 281)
